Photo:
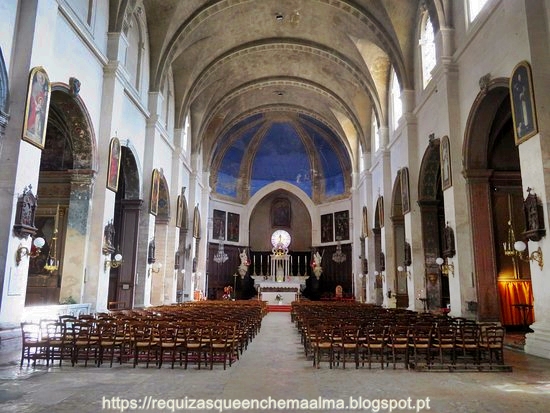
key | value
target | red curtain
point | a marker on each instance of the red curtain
(516, 302)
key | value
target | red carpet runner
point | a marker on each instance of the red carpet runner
(279, 308)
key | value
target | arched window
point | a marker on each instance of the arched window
(427, 49)
(133, 55)
(375, 133)
(186, 134)
(84, 9)
(474, 7)
(397, 105)
(361, 159)
(167, 103)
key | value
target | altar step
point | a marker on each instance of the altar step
(279, 308)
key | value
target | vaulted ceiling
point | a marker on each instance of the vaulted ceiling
(281, 64)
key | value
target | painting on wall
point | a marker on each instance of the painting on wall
(37, 107)
(114, 165)
(523, 102)
(233, 221)
(341, 223)
(405, 195)
(280, 213)
(155, 189)
(218, 228)
(445, 161)
(327, 231)
(181, 213)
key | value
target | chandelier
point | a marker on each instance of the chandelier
(338, 256)
(220, 257)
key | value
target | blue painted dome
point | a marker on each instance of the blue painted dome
(293, 148)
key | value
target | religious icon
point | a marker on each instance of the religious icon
(114, 165)
(523, 102)
(155, 189)
(218, 228)
(233, 221)
(327, 230)
(38, 105)
(405, 196)
(181, 213)
(445, 161)
(341, 223)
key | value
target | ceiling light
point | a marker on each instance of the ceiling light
(279, 92)
(279, 17)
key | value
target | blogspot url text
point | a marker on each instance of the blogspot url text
(150, 403)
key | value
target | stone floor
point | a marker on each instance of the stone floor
(274, 366)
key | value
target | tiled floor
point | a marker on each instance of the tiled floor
(274, 366)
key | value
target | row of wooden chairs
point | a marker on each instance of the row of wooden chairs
(201, 335)
(430, 341)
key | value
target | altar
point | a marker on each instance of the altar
(279, 286)
(283, 292)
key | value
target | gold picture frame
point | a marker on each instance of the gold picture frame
(405, 192)
(445, 162)
(522, 99)
(114, 164)
(155, 189)
(37, 107)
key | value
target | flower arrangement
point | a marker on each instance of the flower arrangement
(227, 290)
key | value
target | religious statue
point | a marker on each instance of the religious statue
(243, 267)
(316, 264)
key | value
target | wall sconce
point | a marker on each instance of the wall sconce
(402, 268)
(536, 256)
(156, 267)
(115, 262)
(23, 251)
(446, 267)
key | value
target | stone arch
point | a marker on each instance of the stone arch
(430, 202)
(398, 227)
(68, 167)
(4, 98)
(163, 214)
(494, 189)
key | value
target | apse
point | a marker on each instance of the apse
(293, 148)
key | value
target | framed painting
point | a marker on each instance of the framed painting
(37, 107)
(155, 189)
(341, 224)
(280, 213)
(327, 230)
(233, 221)
(181, 211)
(445, 162)
(405, 194)
(114, 165)
(523, 102)
(218, 228)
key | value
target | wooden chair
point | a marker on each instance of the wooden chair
(84, 341)
(421, 342)
(34, 346)
(375, 345)
(444, 342)
(467, 343)
(110, 342)
(346, 344)
(398, 344)
(322, 344)
(167, 334)
(190, 344)
(491, 344)
(143, 343)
